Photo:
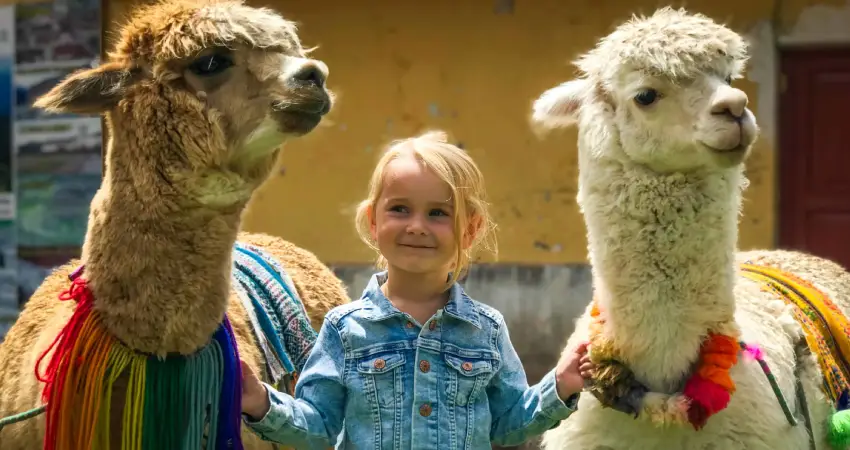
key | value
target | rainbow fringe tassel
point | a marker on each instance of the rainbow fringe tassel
(171, 404)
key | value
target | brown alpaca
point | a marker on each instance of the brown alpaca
(187, 94)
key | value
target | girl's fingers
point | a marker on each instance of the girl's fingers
(581, 348)
(586, 367)
(247, 372)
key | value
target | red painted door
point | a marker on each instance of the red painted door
(814, 152)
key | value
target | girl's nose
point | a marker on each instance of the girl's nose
(416, 226)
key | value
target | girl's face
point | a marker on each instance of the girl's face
(413, 219)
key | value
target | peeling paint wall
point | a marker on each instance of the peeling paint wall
(473, 69)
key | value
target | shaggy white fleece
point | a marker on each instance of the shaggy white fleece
(663, 137)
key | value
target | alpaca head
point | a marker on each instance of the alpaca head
(216, 72)
(658, 92)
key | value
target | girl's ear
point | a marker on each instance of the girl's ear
(472, 229)
(370, 213)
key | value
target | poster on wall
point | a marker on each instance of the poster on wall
(58, 155)
(9, 299)
(8, 247)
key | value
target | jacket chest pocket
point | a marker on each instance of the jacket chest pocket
(467, 378)
(382, 377)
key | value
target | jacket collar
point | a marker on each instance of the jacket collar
(459, 306)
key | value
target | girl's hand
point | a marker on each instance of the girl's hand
(255, 398)
(572, 370)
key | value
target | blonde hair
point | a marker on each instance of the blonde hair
(457, 169)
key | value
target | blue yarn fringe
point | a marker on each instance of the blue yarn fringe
(229, 428)
(843, 401)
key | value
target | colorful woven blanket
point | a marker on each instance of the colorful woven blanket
(278, 317)
(826, 328)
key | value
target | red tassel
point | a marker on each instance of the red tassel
(697, 416)
(57, 368)
(707, 398)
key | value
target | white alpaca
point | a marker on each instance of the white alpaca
(662, 141)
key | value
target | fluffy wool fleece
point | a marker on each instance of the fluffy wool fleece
(186, 152)
(661, 211)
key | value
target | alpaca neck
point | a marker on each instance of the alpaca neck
(662, 250)
(158, 247)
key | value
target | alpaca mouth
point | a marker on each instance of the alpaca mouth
(319, 107)
(305, 102)
(746, 138)
(298, 122)
(742, 147)
(303, 116)
(737, 149)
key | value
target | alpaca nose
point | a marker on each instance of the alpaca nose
(312, 73)
(730, 102)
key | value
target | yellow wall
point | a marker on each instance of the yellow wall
(400, 67)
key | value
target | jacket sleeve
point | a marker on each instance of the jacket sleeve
(520, 411)
(313, 419)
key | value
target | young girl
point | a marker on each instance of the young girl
(416, 363)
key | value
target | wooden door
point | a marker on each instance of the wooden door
(814, 152)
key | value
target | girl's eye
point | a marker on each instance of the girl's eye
(438, 212)
(398, 208)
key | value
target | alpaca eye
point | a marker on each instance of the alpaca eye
(209, 65)
(729, 80)
(647, 97)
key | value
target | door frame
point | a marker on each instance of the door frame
(808, 29)
(787, 233)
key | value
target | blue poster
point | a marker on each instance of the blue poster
(9, 298)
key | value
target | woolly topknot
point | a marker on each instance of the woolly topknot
(176, 29)
(671, 43)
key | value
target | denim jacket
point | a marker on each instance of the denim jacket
(376, 379)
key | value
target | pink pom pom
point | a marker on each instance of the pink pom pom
(754, 351)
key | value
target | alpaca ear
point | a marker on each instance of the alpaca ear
(558, 107)
(89, 91)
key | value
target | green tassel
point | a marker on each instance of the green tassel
(838, 434)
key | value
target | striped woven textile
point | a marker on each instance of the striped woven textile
(826, 328)
(277, 314)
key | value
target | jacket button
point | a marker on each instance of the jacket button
(380, 363)
(432, 325)
(424, 366)
(409, 324)
(467, 366)
(425, 410)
